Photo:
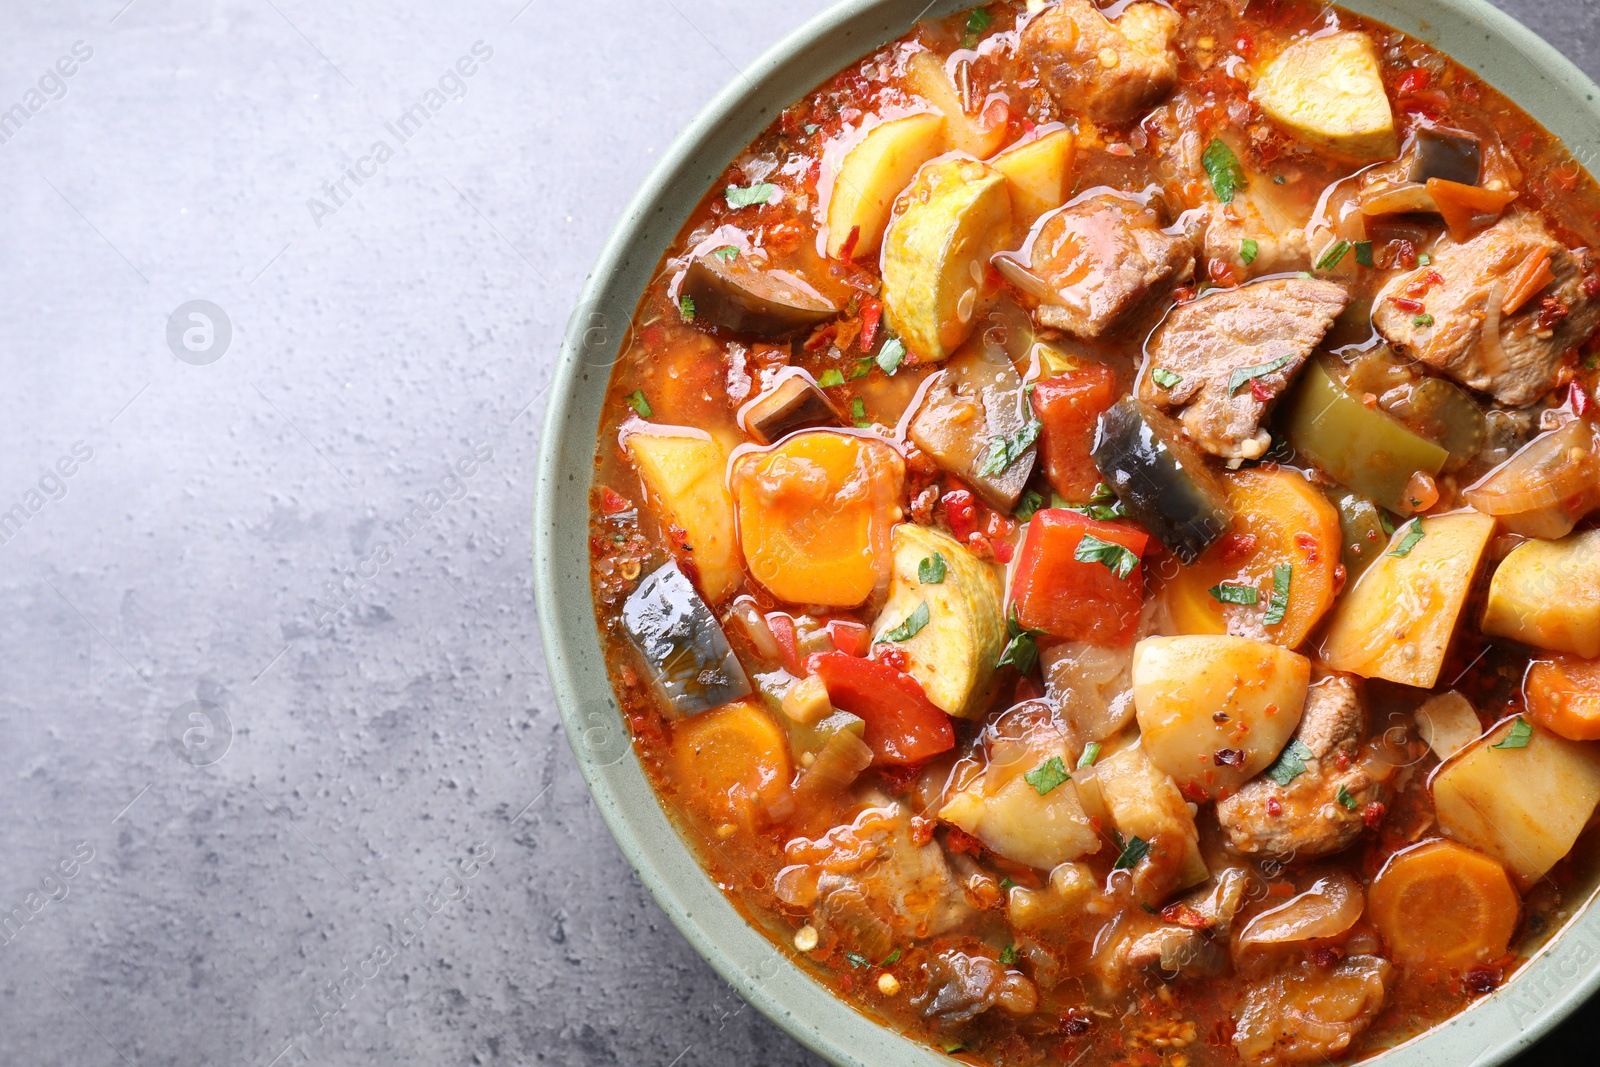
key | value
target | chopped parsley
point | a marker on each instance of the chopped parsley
(1364, 253)
(857, 960)
(1166, 378)
(759, 193)
(953, 1046)
(1022, 650)
(1227, 176)
(1290, 764)
(908, 628)
(890, 355)
(1278, 606)
(1004, 451)
(1227, 593)
(1343, 796)
(1007, 884)
(1386, 522)
(639, 403)
(1521, 733)
(811, 128)
(1591, 361)
(831, 377)
(686, 309)
(1008, 955)
(727, 254)
(1103, 506)
(1119, 559)
(1409, 541)
(861, 369)
(1248, 251)
(858, 412)
(1091, 752)
(1049, 774)
(1027, 505)
(1422, 322)
(1133, 850)
(1334, 255)
(1245, 375)
(931, 570)
(893, 957)
(979, 21)
(1423, 259)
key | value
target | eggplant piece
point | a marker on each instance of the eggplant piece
(976, 422)
(1452, 155)
(794, 403)
(1165, 483)
(739, 296)
(685, 651)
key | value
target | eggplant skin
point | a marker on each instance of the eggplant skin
(1166, 487)
(795, 403)
(1452, 155)
(745, 299)
(686, 654)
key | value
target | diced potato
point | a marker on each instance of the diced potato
(1547, 594)
(955, 653)
(685, 473)
(1524, 806)
(1397, 621)
(1038, 171)
(1329, 90)
(1215, 711)
(1019, 824)
(971, 134)
(873, 173)
(1145, 803)
(1448, 723)
(936, 254)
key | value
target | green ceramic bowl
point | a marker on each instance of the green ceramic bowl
(1515, 61)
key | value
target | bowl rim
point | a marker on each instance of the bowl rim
(1560, 976)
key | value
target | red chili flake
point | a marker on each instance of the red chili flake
(894, 657)
(1192, 791)
(1342, 760)
(1482, 979)
(1551, 312)
(958, 840)
(1236, 547)
(961, 511)
(1182, 914)
(1077, 1025)
(1374, 814)
(1228, 757)
(1424, 282)
(922, 829)
(1324, 956)
(613, 502)
(1405, 304)
(871, 315)
(1580, 399)
(1274, 806)
(898, 779)
(1260, 390)
(1415, 81)
(1307, 543)
(847, 251)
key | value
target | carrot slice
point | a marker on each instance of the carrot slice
(1533, 275)
(733, 761)
(1563, 696)
(1466, 209)
(1443, 905)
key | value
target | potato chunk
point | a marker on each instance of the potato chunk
(1524, 806)
(684, 471)
(1038, 172)
(956, 215)
(1397, 622)
(1547, 594)
(954, 653)
(1329, 91)
(973, 134)
(1215, 711)
(872, 174)
(1144, 803)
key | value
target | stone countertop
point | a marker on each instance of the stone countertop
(283, 775)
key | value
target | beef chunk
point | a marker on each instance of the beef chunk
(1273, 324)
(1103, 257)
(1278, 242)
(1111, 71)
(1306, 818)
(1439, 313)
(960, 987)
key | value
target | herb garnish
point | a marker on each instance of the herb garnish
(908, 628)
(1004, 451)
(686, 309)
(1022, 650)
(1409, 541)
(1166, 378)
(1422, 322)
(1119, 559)
(1227, 176)
(1364, 253)
(890, 355)
(1521, 733)
(1091, 752)
(727, 253)
(831, 377)
(759, 193)
(1334, 255)
(1226, 593)
(1278, 606)
(1249, 250)
(1245, 375)
(638, 402)
(931, 570)
(1049, 774)
(1027, 505)
(1291, 763)
(1343, 796)
(1133, 850)
(858, 412)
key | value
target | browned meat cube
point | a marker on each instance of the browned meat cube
(1111, 71)
(1276, 241)
(1441, 313)
(1221, 359)
(1102, 258)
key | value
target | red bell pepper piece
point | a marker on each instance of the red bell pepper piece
(782, 627)
(852, 638)
(1072, 599)
(1069, 406)
(903, 725)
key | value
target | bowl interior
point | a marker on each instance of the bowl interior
(1509, 56)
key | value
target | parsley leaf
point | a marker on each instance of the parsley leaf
(1227, 176)
(1007, 884)
(1022, 650)
(1278, 606)
(893, 957)
(1385, 522)
(1008, 955)
(1135, 849)
(1409, 541)
(1091, 752)
(811, 128)
(1343, 796)
(1027, 505)
(1120, 560)
(977, 22)
(1004, 451)
(1227, 593)
(1334, 255)
(686, 309)
(640, 404)
(908, 628)
(858, 412)
(1290, 764)
(1422, 322)
(1049, 774)
(1521, 733)
(1248, 251)
(759, 193)
(1166, 378)
(727, 254)
(1244, 375)
(890, 355)
(857, 960)
(931, 570)
(1364, 253)
(831, 377)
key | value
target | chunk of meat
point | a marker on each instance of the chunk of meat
(1192, 937)
(1111, 71)
(1277, 241)
(1104, 256)
(1307, 818)
(1441, 314)
(1311, 1013)
(962, 986)
(1264, 331)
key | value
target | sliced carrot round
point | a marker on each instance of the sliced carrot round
(1563, 696)
(733, 761)
(1441, 904)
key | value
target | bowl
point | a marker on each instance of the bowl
(1509, 56)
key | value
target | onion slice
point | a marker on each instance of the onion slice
(1329, 908)
(1551, 468)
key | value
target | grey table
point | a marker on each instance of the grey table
(281, 777)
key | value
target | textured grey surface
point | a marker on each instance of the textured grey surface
(319, 536)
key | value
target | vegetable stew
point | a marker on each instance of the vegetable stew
(1095, 534)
